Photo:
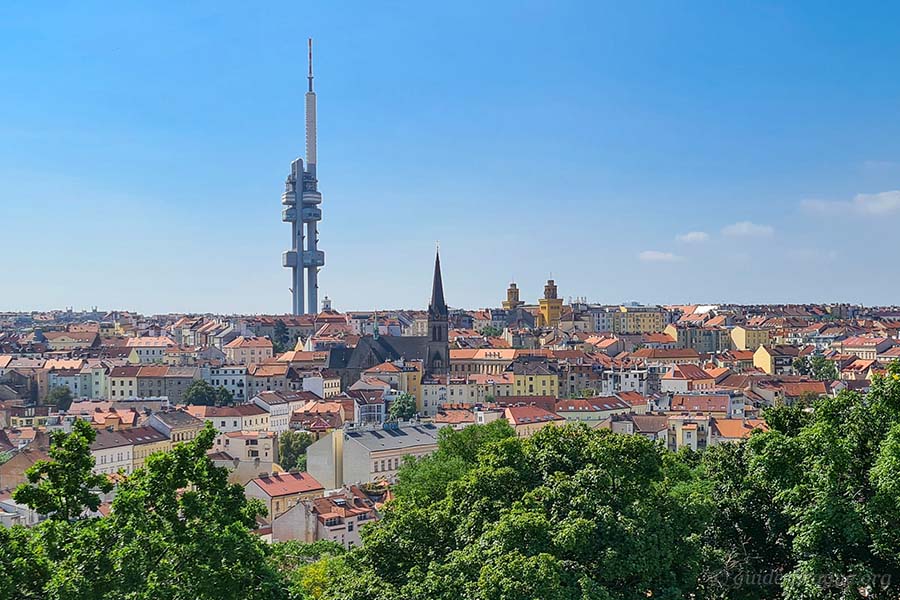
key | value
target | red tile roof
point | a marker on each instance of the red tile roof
(287, 484)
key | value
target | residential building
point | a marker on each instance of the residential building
(248, 350)
(349, 456)
(226, 419)
(280, 406)
(145, 441)
(177, 425)
(337, 517)
(528, 420)
(750, 338)
(281, 491)
(112, 452)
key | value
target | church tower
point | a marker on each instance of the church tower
(550, 306)
(512, 301)
(437, 360)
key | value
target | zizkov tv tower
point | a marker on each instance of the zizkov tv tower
(301, 200)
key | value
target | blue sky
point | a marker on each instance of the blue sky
(143, 149)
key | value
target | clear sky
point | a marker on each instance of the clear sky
(649, 151)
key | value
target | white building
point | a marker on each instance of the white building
(112, 452)
(280, 406)
(345, 457)
(231, 377)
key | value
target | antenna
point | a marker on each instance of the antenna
(310, 76)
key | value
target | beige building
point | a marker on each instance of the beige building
(483, 361)
(248, 350)
(281, 491)
(146, 441)
(750, 338)
(638, 319)
(528, 420)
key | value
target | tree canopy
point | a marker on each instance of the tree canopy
(403, 408)
(202, 392)
(292, 447)
(61, 397)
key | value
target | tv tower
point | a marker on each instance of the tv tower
(301, 193)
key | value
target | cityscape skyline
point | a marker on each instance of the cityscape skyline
(677, 147)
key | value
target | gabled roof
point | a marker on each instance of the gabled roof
(737, 429)
(287, 484)
(524, 415)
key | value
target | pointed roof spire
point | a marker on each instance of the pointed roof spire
(437, 306)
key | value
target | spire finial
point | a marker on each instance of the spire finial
(310, 76)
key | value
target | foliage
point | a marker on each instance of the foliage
(281, 338)
(203, 393)
(814, 501)
(403, 408)
(569, 513)
(61, 397)
(491, 331)
(177, 529)
(63, 487)
(822, 369)
(292, 447)
(307, 567)
(818, 367)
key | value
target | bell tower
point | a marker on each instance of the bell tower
(437, 360)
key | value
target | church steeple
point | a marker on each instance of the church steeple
(438, 306)
(438, 348)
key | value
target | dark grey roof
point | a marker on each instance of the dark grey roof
(177, 418)
(370, 352)
(395, 438)
(109, 439)
(143, 435)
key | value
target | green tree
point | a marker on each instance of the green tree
(822, 369)
(24, 567)
(178, 530)
(801, 365)
(203, 393)
(281, 339)
(491, 331)
(61, 397)
(292, 447)
(570, 513)
(403, 408)
(63, 487)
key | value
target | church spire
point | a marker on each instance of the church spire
(437, 306)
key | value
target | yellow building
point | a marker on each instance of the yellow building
(123, 382)
(638, 319)
(535, 378)
(481, 361)
(550, 306)
(146, 441)
(750, 338)
(512, 297)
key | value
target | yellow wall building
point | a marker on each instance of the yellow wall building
(750, 338)
(550, 306)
